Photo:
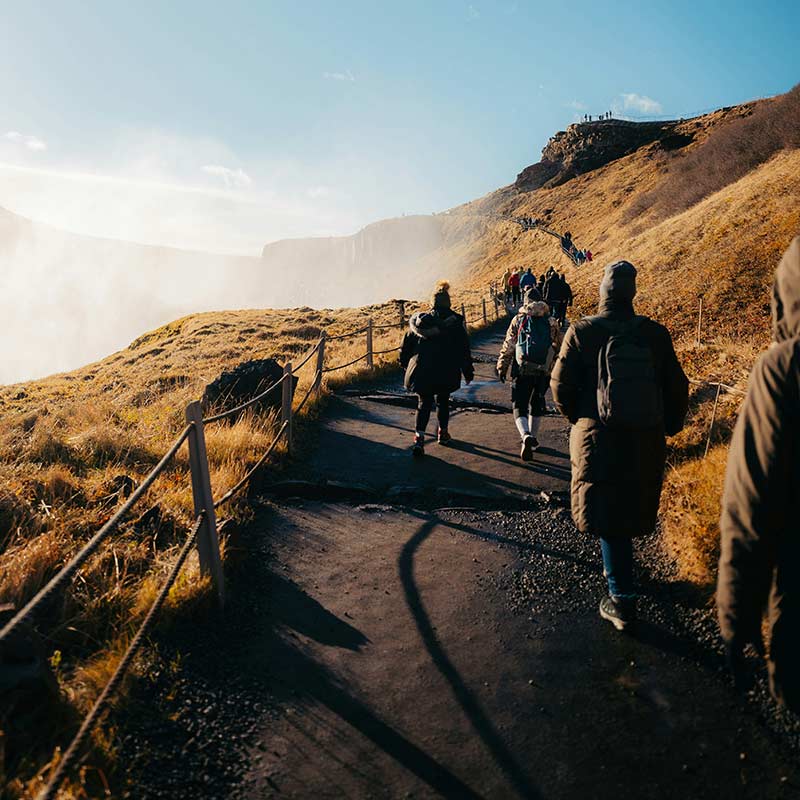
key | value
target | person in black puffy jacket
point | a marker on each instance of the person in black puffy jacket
(435, 354)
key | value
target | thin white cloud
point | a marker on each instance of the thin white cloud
(576, 105)
(233, 178)
(339, 76)
(33, 143)
(473, 13)
(640, 102)
(316, 192)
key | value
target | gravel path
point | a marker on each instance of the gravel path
(443, 641)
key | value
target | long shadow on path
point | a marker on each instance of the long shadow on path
(469, 704)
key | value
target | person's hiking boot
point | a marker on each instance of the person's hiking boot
(418, 449)
(526, 453)
(534, 444)
(619, 611)
(444, 437)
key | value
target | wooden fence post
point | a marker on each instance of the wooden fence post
(402, 314)
(483, 303)
(700, 322)
(320, 363)
(464, 315)
(370, 359)
(286, 405)
(207, 538)
(713, 417)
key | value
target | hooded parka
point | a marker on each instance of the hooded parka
(616, 473)
(759, 564)
(435, 352)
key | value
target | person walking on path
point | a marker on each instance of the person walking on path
(506, 285)
(513, 282)
(759, 565)
(553, 292)
(530, 347)
(435, 354)
(527, 281)
(618, 381)
(565, 300)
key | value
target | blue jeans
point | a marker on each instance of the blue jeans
(618, 565)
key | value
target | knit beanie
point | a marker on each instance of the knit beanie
(619, 282)
(441, 296)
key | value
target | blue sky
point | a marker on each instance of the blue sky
(226, 125)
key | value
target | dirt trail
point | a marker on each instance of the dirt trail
(442, 640)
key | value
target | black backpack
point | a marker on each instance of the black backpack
(628, 393)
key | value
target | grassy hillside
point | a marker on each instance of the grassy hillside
(70, 442)
(709, 220)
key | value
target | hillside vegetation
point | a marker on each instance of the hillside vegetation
(709, 219)
(680, 200)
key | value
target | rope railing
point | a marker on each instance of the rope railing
(308, 394)
(348, 334)
(348, 364)
(204, 534)
(63, 576)
(243, 482)
(230, 412)
(70, 756)
(309, 355)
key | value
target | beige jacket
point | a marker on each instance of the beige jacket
(508, 351)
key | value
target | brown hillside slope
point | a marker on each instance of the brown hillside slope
(724, 248)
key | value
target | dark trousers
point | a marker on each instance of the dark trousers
(560, 310)
(515, 295)
(425, 406)
(527, 395)
(618, 565)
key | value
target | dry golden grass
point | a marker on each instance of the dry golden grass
(68, 442)
(690, 515)
(724, 248)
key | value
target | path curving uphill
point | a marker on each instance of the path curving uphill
(418, 629)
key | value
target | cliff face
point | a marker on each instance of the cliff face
(586, 146)
(381, 259)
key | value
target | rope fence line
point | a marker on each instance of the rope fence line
(342, 366)
(204, 534)
(236, 488)
(242, 406)
(348, 334)
(71, 755)
(65, 573)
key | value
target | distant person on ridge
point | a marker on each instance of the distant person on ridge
(759, 565)
(435, 354)
(530, 347)
(513, 282)
(618, 381)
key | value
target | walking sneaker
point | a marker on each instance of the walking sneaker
(444, 437)
(535, 444)
(526, 454)
(619, 611)
(418, 450)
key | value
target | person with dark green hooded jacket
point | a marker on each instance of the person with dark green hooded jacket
(618, 381)
(759, 565)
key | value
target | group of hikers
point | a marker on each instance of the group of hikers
(577, 255)
(616, 378)
(550, 286)
(597, 118)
